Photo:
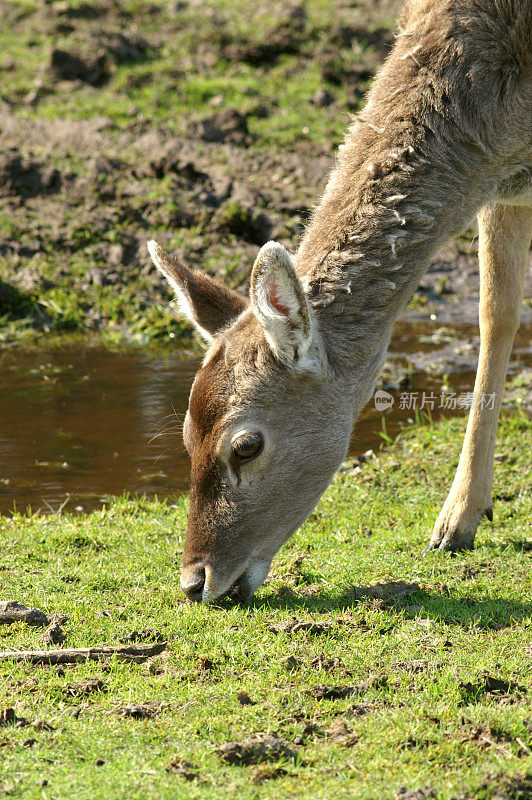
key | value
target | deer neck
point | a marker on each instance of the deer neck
(387, 208)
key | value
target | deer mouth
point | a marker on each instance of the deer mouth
(243, 587)
(239, 591)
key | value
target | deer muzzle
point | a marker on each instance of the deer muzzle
(203, 584)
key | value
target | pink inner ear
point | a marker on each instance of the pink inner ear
(272, 296)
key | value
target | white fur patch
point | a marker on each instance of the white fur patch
(280, 304)
(392, 238)
(395, 198)
(400, 219)
(412, 55)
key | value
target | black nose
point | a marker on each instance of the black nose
(194, 589)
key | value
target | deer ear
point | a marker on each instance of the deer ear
(281, 305)
(207, 304)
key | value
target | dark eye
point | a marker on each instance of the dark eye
(247, 446)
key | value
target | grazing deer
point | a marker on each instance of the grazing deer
(446, 134)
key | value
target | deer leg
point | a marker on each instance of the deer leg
(505, 233)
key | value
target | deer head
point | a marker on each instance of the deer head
(266, 427)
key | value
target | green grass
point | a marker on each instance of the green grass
(118, 570)
(194, 56)
(189, 61)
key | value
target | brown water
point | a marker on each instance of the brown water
(77, 423)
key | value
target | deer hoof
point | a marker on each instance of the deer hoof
(453, 541)
(455, 527)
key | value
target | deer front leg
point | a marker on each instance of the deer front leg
(504, 233)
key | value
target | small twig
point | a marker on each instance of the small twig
(6, 680)
(523, 745)
(186, 705)
(136, 653)
(489, 741)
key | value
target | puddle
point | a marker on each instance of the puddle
(78, 423)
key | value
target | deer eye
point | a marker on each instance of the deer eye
(247, 446)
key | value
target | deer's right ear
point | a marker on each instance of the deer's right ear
(207, 304)
(281, 306)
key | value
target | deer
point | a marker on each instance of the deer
(445, 136)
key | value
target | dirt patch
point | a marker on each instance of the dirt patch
(215, 182)
(256, 750)
(340, 733)
(183, 769)
(139, 180)
(331, 692)
(21, 176)
(205, 664)
(341, 692)
(29, 742)
(489, 736)
(416, 794)
(13, 611)
(85, 688)
(390, 592)
(8, 716)
(416, 666)
(473, 692)
(43, 725)
(245, 700)
(497, 788)
(138, 711)
(54, 634)
(144, 635)
(292, 664)
(68, 66)
(227, 125)
(371, 682)
(327, 664)
(308, 626)
(267, 772)
(126, 47)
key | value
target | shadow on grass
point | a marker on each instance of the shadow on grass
(466, 612)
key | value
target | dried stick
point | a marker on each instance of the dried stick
(136, 653)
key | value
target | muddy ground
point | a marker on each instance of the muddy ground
(123, 120)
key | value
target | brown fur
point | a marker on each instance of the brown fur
(445, 135)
